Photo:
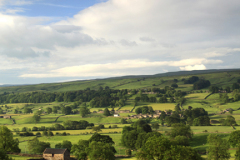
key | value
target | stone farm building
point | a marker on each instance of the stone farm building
(56, 154)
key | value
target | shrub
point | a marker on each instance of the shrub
(128, 152)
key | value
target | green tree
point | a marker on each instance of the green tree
(223, 98)
(55, 109)
(96, 129)
(4, 156)
(101, 151)
(181, 140)
(36, 118)
(218, 148)
(27, 110)
(174, 85)
(143, 137)
(35, 146)
(180, 129)
(49, 110)
(155, 126)
(66, 144)
(124, 121)
(84, 111)
(182, 152)
(237, 155)
(154, 148)
(234, 139)
(7, 143)
(79, 149)
(129, 139)
(106, 112)
(101, 138)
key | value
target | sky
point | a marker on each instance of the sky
(45, 41)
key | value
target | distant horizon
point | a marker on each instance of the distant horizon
(72, 80)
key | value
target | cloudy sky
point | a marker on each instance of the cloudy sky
(59, 40)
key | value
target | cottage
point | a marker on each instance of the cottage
(7, 117)
(56, 154)
(100, 111)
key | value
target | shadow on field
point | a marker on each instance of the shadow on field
(199, 141)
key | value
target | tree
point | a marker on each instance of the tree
(84, 111)
(55, 109)
(129, 139)
(155, 126)
(49, 110)
(35, 146)
(4, 156)
(163, 115)
(101, 138)
(100, 151)
(124, 121)
(154, 148)
(65, 144)
(66, 110)
(174, 85)
(237, 155)
(235, 86)
(218, 148)
(79, 149)
(7, 143)
(27, 110)
(180, 129)
(181, 140)
(229, 121)
(96, 129)
(234, 139)
(36, 118)
(143, 137)
(182, 152)
(223, 98)
(106, 112)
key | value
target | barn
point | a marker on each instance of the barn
(56, 154)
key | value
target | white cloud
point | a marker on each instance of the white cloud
(195, 67)
(119, 68)
(114, 38)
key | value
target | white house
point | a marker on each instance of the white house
(116, 115)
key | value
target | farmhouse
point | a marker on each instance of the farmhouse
(56, 154)
(7, 117)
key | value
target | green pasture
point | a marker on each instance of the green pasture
(4, 121)
(199, 96)
(16, 157)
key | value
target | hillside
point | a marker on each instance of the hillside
(221, 78)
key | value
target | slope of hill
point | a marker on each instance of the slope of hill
(221, 78)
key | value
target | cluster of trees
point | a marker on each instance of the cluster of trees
(201, 84)
(152, 145)
(76, 125)
(191, 80)
(197, 82)
(229, 121)
(97, 147)
(219, 147)
(100, 98)
(144, 110)
(192, 117)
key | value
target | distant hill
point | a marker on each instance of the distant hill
(221, 77)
